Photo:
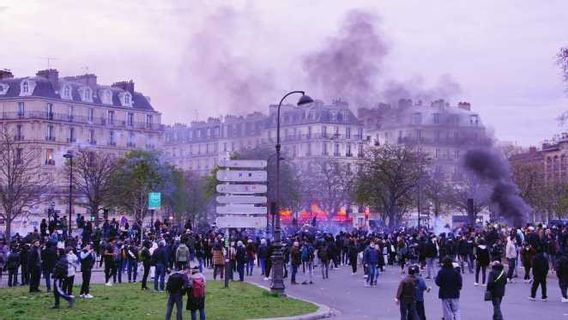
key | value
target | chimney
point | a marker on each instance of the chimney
(404, 103)
(125, 85)
(464, 105)
(6, 74)
(52, 75)
(532, 149)
(87, 79)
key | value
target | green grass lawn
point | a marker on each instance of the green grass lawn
(127, 301)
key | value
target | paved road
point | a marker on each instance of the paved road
(348, 295)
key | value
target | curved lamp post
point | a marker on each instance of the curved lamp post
(277, 285)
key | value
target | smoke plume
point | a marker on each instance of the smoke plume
(349, 64)
(494, 170)
(416, 89)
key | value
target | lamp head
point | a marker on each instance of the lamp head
(304, 100)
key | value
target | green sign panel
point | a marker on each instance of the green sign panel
(154, 200)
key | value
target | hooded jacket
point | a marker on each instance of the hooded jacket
(497, 281)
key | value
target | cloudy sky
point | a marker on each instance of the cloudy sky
(205, 58)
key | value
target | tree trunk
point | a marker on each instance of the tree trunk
(7, 234)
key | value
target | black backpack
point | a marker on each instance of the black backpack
(60, 269)
(175, 283)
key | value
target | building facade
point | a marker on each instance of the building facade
(442, 131)
(55, 114)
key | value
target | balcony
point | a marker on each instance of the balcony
(349, 154)
(71, 140)
(18, 137)
(112, 143)
(131, 145)
(49, 138)
(93, 142)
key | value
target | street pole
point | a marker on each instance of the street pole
(277, 257)
(69, 156)
(418, 200)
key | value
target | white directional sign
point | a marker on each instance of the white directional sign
(242, 199)
(243, 163)
(241, 209)
(241, 176)
(241, 188)
(241, 222)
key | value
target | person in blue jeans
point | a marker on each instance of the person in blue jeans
(160, 259)
(371, 259)
(262, 251)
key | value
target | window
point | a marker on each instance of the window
(111, 138)
(336, 131)
(21, 110)
(360, 134)
(110, 117)
(25, 87)
(309, 132)
(71, 135)
(106, 96)
(19, 153)
(417, 118)
(360, 151)
(436, 118)
(149, 121)
(324, 149)
(324, 131)
(348, 132)
(127, 99)
(86, 96)
(49, 157)
(19, 135)
(474, 120)
(50, 133)
(336, 150)
(67, 92)
(309, 149)
(49, 111)
(130, 142)
(348, 153)
(92, 140)
(70, 113)
(130, 119)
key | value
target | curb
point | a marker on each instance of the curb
(323, 311)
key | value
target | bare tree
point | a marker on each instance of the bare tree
(22, 182)
(473, 188)
(437, 190)
(329, 183)
(92, 176)
(388, 178)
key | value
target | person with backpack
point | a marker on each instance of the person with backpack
(482, 261)
(12, 264)
(182, 256)
(562, 274)
(406, 294)
(59, 275)
(177, 285)
(323, 255)
(146, 259)
(251, 257)
(87, 256)
(496, 286)
(196, 295)
(450, 282)
(307, 256)
(218, 253)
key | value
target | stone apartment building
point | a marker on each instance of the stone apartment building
(444, 132)
(55, 114)
(308, 134)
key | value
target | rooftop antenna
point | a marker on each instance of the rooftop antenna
(49, 59)
(85, 69)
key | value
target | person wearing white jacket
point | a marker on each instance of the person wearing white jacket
(511, 253)
(72, 264)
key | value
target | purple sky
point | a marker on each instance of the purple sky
(197, 60)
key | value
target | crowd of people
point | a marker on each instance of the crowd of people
(126, 253)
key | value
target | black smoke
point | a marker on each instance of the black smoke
(494, 170)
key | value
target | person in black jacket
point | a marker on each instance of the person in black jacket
(450, 282)
(34, 266)
(241, 258)
(87, 262)
(48, 259)
(562, 273)
(12, 264)
(430, 254)
(482, 261)
(540, 271)
(496, 285)
(59, 275)
(160, 259)
(25, 272)
(146, 259)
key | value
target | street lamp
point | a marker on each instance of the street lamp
(69, 155)
(277, 285)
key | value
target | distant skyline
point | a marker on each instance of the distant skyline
(209, 58)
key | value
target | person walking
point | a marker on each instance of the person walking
(562, 274)
(251, 257)
(34, 265)
(88, 257)
(450, 282)
(511, 253)
(108, 258)
(307, 256)
(160, 259)
(420, 288)
(12, 264)
(218, 260)
(482, 261)
(527, 255)
(323, 255)
(406, 295)
(496, 283)
(60, 272)
(430, 254)
(370, 258)
(352, 253)
(132, 262)
(72, 263)
(540, 272)
(196, 295)
(295, 261)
